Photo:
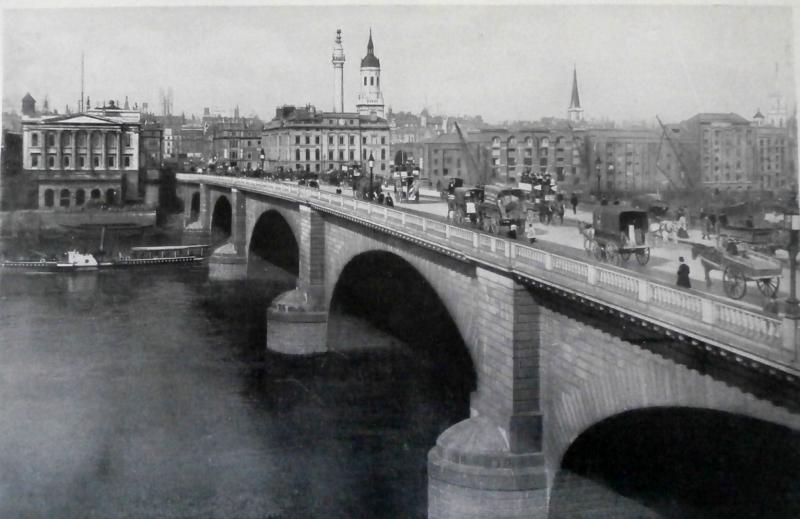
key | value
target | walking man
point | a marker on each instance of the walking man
(574, 201)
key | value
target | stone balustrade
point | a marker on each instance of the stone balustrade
(724, 322)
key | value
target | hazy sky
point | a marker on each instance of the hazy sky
(503, 62)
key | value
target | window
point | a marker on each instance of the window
(34, 139)
(316, 154)
(34, 160)
(372, 81)
(110, 161)
(341, 140)
(51, 139)
(66, 161)
(82, 161)
(365, 80)
(316, 139)
(378, 81)
(127, 161)
(352, 154)
(383, 166)
(64, 198)
(341, 154)
(80, 197)
(308, 154)
(49, 198)
(383, 140)
(363, 140)
(308, 139)
(330, 140)
(297, 139)
(330, 154)
(51, 161)
(127, 139)
(297, 154)
(383, 153)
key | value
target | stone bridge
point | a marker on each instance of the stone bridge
(560, 346)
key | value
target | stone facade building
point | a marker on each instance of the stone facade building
(304, 139)
(75, 159)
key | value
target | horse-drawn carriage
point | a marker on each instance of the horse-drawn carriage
(735, 255)
(464, 203)
(616, 233)
(502, 206)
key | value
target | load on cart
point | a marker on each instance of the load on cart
(616, 233)
(734, 254)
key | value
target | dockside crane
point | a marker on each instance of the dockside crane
(480, 173)
(688, 182)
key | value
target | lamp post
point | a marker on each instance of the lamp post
(371, 164)
(610, 177)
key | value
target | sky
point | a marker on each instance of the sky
(511, 62)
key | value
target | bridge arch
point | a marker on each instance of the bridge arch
(391, 293)
(677, 460)
(273, 239)
(222, 216)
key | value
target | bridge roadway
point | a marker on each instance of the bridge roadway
(724, 326)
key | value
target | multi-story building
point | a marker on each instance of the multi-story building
(626, 161)
(238, 144)
(77, 158)
(12, 181)
(304, 139)
(775, 151)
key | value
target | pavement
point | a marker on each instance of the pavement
(566, 239)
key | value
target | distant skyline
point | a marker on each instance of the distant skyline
(501, 62)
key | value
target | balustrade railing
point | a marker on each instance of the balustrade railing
(706, 311)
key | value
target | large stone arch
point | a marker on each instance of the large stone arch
(590, 376)
(272, 238)
(454, 282)
(221, 214)
(257, 206)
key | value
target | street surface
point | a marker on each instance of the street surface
(565, 239)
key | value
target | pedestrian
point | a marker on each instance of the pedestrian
(604, 201)
(389, 202)
(548, 213)
(683, 274)
(561, 211)
(530, 230)
(574, 201)
(707, 228)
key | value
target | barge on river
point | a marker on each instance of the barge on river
(137, 257)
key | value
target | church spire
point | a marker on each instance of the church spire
(370, 47)
(575, 102)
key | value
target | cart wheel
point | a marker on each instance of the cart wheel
(769, 286)
(625, 255)
(494, 228)
(643, 256)
(612, 253)
(735, 283)
(587, 246)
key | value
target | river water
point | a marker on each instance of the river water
(149, 393)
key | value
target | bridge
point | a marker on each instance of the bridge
(560, 347)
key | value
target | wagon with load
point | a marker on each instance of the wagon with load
(617, 233)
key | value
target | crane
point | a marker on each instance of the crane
(480, 173)
(689, 183)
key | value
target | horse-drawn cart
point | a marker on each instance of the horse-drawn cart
(734, 255)
(617, 232)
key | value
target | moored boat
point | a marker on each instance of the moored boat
(138, 256)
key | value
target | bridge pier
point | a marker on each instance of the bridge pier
(297, 321)
(491, 465)
(203, 222)
(229, 261)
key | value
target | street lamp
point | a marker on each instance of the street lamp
(597, 163)
(610, 177)
(371, 164)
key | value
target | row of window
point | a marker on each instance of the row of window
(111, 161)
(332, 140)
(66, 139)
(373, 81)
(65, 197)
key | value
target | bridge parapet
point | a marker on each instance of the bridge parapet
(702, 319)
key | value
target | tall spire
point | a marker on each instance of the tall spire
(575, 102)
(370, 47)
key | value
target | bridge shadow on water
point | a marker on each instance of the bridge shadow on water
(680, 463)
(350, 429)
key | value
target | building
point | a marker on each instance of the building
(74, 159)
(304, 139)
(237, 144)
(370, 99)
(625, 161)
(13, 188)
(150, 150)
(575, 112)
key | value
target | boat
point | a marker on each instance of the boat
(74, 260)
